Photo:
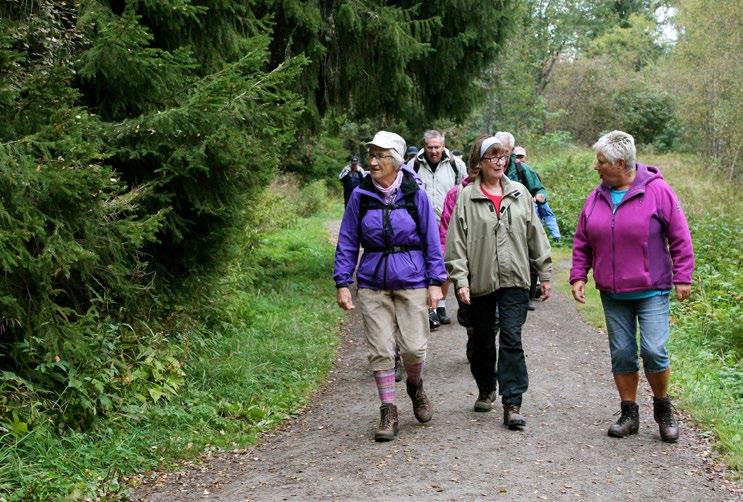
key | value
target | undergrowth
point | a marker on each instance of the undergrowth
(269, 341)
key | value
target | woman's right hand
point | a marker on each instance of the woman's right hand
(464, 295)
(579, 291)
(344, 299)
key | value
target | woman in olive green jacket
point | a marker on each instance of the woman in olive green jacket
(493, 237)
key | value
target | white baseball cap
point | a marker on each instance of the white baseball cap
(519, 150)
(389, 141)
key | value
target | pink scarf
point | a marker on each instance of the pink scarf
(389, 192)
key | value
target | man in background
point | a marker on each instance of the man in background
(350, 177)
(439, 171)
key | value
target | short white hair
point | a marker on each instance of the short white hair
(505, 137)
(431, 134)
(617, 145)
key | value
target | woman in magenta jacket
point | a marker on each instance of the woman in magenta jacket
(633, 234)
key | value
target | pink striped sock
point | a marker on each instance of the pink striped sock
(386, 385)
(415, 372)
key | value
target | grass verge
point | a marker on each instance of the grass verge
(256, 366)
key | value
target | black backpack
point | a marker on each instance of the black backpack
(410, 189)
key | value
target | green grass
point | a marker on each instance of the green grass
(706, 342)
(256, 365)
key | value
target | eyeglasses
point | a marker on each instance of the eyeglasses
(496, 159)
(520, 156)
(379, 157)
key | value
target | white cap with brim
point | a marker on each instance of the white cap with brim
(519, 150)
(390, 141)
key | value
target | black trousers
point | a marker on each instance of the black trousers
(506, 367)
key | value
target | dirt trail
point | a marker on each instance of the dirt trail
(328, 453)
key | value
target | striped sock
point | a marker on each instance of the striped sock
(415, 372)
(386, 385)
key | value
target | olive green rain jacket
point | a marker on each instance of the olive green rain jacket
(486, 251)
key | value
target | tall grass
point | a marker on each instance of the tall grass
(268, 343)
(707, 335)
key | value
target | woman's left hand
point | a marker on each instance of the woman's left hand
(546, 289)
(683, 291)
(434, 295)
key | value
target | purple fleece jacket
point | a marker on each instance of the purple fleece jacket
(644, 245)
(417, 262)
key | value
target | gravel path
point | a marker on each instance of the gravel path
(328, 453)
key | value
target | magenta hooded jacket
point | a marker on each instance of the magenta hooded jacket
(644, 245)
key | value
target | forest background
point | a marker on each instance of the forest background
(148, 151)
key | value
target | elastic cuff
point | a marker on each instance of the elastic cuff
(339, 286)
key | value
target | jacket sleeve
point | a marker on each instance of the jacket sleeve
(434, 261)
(582, 252)
(343, 172)
(540, 251)
(535, 185)
(449, 201)
(678, 236)
(347, 249)
(461, 171)
(456, 247)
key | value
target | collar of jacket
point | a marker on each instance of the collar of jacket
(421, 157)
(645, 174)
(408, 185)
(510, 189)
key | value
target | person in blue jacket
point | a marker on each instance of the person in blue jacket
(399, 276)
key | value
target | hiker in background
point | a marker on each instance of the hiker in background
(350, 177)
(493, 236)
(410, 154)
(399, 275)
(543, 208)
(463, 317)
(633, 234)
(521, 172)
(439, 171)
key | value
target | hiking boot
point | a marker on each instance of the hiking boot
(399, 371)
(441, 313)
(422, 407)
(387, 429)
(629, 421)
(485, 401)
(531, 305)
(512, 416)
(663, 414)
(433, 319)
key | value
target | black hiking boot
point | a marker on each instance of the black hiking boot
(512, 416)
(441, 313)
(663, 414)
(433, 319)
(629, 421)
(388, 424)
(485, 401)
(422, 407)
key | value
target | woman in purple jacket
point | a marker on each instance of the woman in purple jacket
(634, 235)
(399, 276)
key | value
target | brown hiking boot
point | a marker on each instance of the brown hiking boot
(485, 401)
(512, 416)
(629, 421)
(387, 429)
(663, 414)
(422, 407)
